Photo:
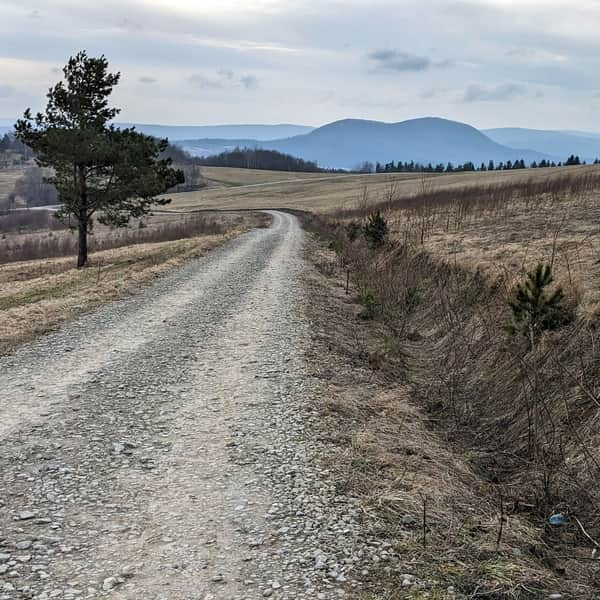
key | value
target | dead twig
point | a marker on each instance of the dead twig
(587, 535)
(502, 520)
(424, 501)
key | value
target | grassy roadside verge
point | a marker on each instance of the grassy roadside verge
(461, 535)
(37, 296)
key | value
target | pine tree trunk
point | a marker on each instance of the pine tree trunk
(82, 257)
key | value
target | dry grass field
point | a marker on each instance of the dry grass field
(564, 233)
(321, 192)
(506, 238)
(219, 177)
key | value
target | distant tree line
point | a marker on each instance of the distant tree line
(416, 167)
(189, 166)
(178, 155)
(257, 158)
(33, 189)
(9, 143)
(13, 151)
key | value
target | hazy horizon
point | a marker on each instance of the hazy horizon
(8, 122)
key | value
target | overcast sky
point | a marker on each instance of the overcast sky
(490, 63)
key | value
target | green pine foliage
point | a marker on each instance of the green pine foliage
(376, 230)
(100, 172)
(535, 308)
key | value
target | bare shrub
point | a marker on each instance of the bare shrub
(29, 220)
(29, 248)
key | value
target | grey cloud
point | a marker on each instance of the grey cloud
(220, 54)
(445, 64)
(203, 82)
(250, 82)
(130, 25)
(147, 80)
(497, 93)
(224, 78)
(226, 74)
(395, 60)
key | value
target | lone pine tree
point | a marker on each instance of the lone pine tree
(99, 170)
(376, 230)
(535, 309)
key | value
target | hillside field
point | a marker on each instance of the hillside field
(320, 192)
(219, 177)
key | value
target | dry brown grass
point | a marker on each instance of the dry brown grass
(218, 177)
(38, 234)
(442, 402)
(560, 230)
(328, 193)
(319, 192)
(564, 234)
(486, 221)
(38, 296)
(385, 450)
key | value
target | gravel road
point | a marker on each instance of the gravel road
(161, 447)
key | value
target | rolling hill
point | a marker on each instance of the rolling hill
(346, 143)
(559, 144)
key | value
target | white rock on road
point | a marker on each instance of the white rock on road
(160, 447)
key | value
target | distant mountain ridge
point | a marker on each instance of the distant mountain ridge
(255, 132)
(349, 142)
(559, 144)
(346, 143)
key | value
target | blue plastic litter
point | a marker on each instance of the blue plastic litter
(557, 519)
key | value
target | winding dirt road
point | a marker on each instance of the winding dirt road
(160, 448)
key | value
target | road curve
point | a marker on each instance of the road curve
(156, 448)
